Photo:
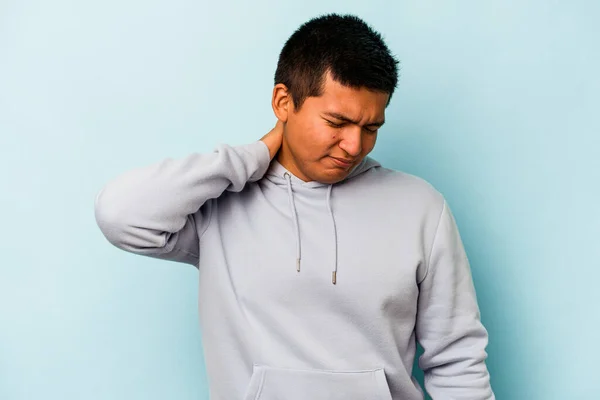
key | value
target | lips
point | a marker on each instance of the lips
(342, 162)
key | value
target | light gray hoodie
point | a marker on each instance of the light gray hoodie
(310, 291)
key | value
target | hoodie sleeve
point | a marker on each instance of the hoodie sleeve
(158, 211)
(448, 321)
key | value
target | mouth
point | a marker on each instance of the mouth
(342, 162)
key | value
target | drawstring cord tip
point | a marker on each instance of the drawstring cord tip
(298, 265)
(333, 277)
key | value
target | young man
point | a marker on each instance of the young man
(319, 268)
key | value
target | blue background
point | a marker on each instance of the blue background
(498, 106)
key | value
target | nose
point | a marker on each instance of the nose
(351, 142)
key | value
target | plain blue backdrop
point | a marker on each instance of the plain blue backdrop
(498, 106)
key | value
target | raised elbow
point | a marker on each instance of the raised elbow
(110, 219)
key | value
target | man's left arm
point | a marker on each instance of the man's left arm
(448, 321)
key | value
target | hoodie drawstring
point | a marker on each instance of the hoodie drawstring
(295, 218)
(335, 267)
(288, 178)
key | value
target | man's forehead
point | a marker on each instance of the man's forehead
(349, 96)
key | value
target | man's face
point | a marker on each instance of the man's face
(332, 133)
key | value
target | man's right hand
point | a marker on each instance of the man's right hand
(274, 138)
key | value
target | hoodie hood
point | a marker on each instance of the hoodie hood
(280, 176)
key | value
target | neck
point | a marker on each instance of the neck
(286, 159)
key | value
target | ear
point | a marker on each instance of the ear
(281, 102)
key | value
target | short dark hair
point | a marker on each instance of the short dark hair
(344, 45)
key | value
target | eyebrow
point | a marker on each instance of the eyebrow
(342, 117)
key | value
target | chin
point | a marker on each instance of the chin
(324, 172)
(331, 177)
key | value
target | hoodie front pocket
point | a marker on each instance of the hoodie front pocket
(269, 383)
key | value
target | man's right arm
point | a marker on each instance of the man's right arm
(156, 211)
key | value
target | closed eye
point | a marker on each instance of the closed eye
(333, 124)
(366, 128)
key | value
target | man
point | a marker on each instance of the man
(319, 268)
